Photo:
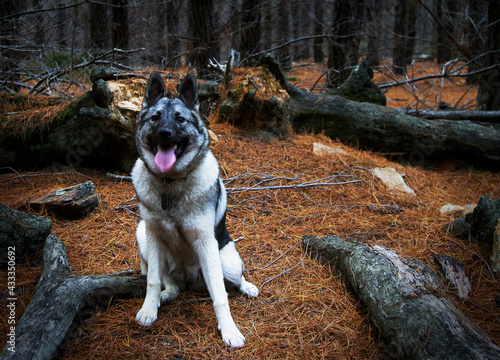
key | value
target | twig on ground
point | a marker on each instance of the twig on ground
(275, 260)
(287, 270)
(119, 177)
(19, 176)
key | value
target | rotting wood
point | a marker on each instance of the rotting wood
(417, 322)
(46, 325)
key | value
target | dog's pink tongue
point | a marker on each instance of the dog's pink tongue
(165, 159)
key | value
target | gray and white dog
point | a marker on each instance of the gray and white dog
(182, 237)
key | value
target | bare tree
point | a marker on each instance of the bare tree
(8, 37)
(405, 17)
(475, 24)
(250, 27)
(99, 31)
(488, 97)
(344, 42)
(202, 22)
(120, 30)
(319, 20)
(283, 53)
(173, 44)
(446, 13)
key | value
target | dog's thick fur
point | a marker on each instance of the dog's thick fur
(182, 237)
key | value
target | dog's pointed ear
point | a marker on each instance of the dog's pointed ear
(155, 90)
(188, 92)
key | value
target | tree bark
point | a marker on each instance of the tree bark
(120, 24)
(202, 22)
(403, 303)
(488, 97)
(344, 47)
(405, 17)
(173, 43)
(446, 11)
(373, 10)
(99, 32)
(9, 31)
(384, 129)
(250, 28)
(319, 20)
(43, 329)
(283, 54)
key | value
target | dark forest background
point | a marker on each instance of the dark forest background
(41, 39)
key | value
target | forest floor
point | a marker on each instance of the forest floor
(304, 309)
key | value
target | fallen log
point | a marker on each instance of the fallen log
(417, 321)
(45, 327)
(384, 129)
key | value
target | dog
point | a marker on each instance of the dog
(182, 237)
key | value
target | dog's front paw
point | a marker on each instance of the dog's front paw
(233, 338)
(146, 316)
(249, 289)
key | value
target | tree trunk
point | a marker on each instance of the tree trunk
(319, 20)
(250, 29)
(445, 12)
(120, 31)
(373, 11)
(9, 57)
(305, 10)
(475, 32)
(384, 129)
(173, 43)
(488, 97)
(405, 17)
(404, 302)
(63, 29)
(283, 54)
(39, 33)
(202, 22)
(45, 327)
(343, 54)
(99, 32)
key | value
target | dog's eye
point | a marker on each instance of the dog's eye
(155, 117)
(180, 119)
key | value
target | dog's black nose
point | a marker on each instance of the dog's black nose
(165, 134)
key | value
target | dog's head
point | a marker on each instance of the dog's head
(171, 135)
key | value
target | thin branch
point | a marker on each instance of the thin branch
(19, 176)
(275, 260)
(36, 11)
(437, 76)
(66, 70)
(450, 36)
(119, 177)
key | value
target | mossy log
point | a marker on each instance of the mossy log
(46, 325)
(384, 129)
(405, 303)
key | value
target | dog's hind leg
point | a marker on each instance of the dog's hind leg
(232, 268)
(171, 289)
